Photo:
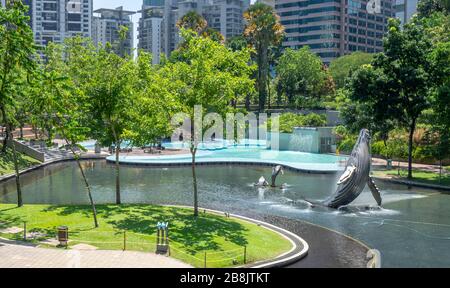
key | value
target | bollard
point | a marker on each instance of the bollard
(124, 240)
(245, 254)
(24, 231)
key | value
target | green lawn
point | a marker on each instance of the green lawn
(419, 176)
(223, 239)
(7, 163)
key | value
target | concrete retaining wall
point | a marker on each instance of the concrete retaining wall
(24, 149)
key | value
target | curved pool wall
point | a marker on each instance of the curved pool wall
(412, 230)
(299, 161)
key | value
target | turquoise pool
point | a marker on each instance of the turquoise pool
(243, 154)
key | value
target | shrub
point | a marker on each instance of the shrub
(288, 121)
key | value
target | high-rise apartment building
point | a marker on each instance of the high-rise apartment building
(333, 28)
(150, 31)
(106, 25)
(405, 9)
(157, 32)
(55, 20)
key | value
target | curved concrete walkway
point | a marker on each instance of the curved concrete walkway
(26, 256)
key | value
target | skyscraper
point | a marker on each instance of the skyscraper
(157, 32)
(106, 26)
(55, 20)
(405, 9)
(334, 28)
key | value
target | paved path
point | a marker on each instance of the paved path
(18, 256)
(381, 165)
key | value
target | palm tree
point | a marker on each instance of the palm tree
(263, 30)
(193, 21)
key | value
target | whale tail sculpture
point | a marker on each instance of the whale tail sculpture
(275, 173)
(356, 175)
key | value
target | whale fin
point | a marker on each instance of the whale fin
(375, 191)
(347, 174)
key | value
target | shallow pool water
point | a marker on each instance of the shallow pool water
(412, 230)
(238, 154)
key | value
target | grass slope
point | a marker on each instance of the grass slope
(222, 239)
(7, 162)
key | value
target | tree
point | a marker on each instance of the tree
(210, 78)
(426, 8)
(67, 107)
(154, 105)
(213, 34)
(193, 21)
(110, 91)
(342, 67)
(263, 29)
(301, 76)
(237, 43)
(398, 84)
(17, 60)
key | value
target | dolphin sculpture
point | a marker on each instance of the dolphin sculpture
(356, 176)
(275, 172)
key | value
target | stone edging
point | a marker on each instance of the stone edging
(281, 260)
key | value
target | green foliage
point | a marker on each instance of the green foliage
(289, 121)
(237, 43)
(301, 77)
(343, 67)
(17, 62)
(427, 7)
(396, 87)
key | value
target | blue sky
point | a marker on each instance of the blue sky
(133, 5)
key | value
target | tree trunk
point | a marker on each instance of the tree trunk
(16, 169)
(118, 200)
(21, 131)
(247, 102)
(262, 76)
(412, 129)
(5, 121)
(88, 187)
(269, 94)
(86, 182)
(194, 182)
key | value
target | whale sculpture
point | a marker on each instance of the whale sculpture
(356, 176)
(275, 172)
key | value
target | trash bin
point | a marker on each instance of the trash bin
(63, 235)
(389, 164)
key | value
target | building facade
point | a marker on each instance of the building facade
(157, 31)
(150, 31)
(56, 20)
(405, 9)
(106, 25)
(333, 28)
